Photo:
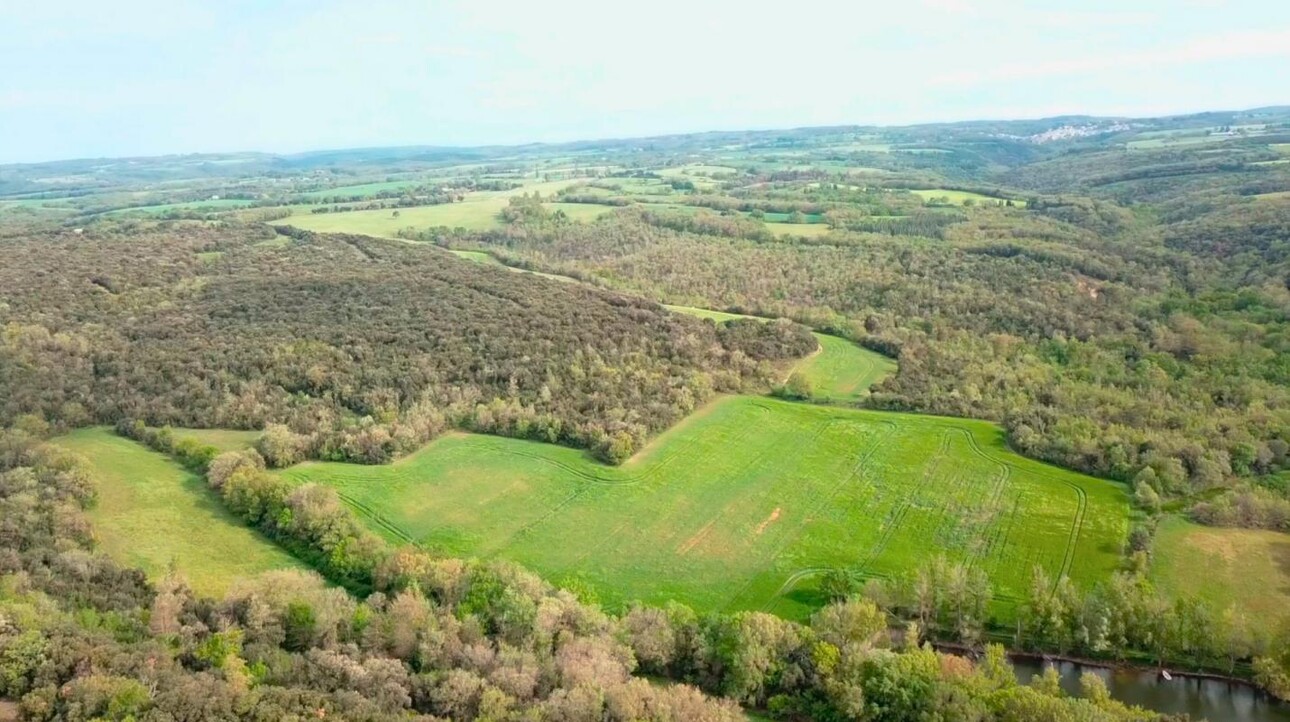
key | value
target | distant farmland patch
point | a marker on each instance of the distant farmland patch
(362, 189)
(958, 198)
(480, 211)
(222, 204)
(839, 371)
(807, 230)
(740, 504)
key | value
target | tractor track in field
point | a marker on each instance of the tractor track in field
(644, 475)
(1081, 509)
(376, 517)
(819, 430)
(902, 508)
(857, 471)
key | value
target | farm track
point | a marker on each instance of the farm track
(1077, 524)
(856, 471)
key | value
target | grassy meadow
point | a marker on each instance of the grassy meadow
(839, 371)
(479, 211)
(152, 514)
(1248, 568)
(740, 504)
(958, 198)
(808, 230)
(842, 370)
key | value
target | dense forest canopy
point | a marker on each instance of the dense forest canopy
(364, 348)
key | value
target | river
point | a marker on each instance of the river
(1211, 699)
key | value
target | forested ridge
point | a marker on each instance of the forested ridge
(363, 348)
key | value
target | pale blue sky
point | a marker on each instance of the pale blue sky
(144, 77)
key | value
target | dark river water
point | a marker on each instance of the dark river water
(1209, 699)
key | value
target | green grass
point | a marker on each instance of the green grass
(809, 230)
(152, 513)
(687, 171)
(718, 316)
(479, 211)
(739, 505)
(958, 197)
(362, 189)
(1283, 148)
(1248, 568)
(222, 204)
(839, 371)
(480, 214)
(783, 218)
(842, 370)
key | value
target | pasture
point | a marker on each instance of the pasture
(1248, 568)
(222, 204)
(471, 214)
(842, 370)
(739, 505)
(839, 371)
(362, 189)
(958, 198)
(479, 211)
(808, 230)
(151, 514)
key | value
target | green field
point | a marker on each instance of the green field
(740, 504)
(810, 230)
(1248, 568)
(151, 513)
(718, 316)
(839, 371)
(362, 189)
(959, 197)
(842, 370)
(709, 171)
(222, 204)
(472, 214)
(480, 211)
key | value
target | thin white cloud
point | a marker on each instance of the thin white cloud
(1231, 46)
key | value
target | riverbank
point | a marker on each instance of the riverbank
(1202, 695)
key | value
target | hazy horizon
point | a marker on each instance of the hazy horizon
(147, 77)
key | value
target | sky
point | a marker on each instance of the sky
(87, 78)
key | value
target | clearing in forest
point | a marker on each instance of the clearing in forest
(839, 371)
(151, 513)
(687, 517)
(958, 198)
(479, 211)
(1248, 568)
